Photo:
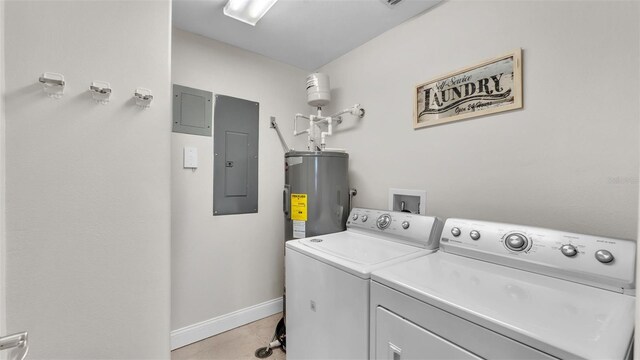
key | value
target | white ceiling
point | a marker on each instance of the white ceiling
(303, 33)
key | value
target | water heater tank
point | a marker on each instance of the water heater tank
(322, 179)
(318, 89)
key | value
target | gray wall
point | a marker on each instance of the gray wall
(221, 264)
(567, 160)
(88, 203)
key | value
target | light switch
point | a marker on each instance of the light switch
(190, 158)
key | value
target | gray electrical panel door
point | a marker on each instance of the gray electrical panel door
(235, 160)
(191, 110)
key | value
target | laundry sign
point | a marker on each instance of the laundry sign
(489, 87)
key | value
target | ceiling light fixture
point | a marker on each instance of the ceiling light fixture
(248, 11)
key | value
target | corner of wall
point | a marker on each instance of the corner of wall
(2, 174)
(637, 334)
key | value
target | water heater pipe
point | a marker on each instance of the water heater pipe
(352, 193)
(317, 120)
(295, 125)
(355, 110)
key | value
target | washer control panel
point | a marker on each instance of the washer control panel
(414, 229)
(597, 261)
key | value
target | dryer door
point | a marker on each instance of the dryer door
(399, 339)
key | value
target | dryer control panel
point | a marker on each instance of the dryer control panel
(413, 229)
(602, 262)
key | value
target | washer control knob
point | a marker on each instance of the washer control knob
(405, 225)
(568, 250)
(383, 221)
(354, 217)
(516, 242)
(364, 218)
(475, 234)
(455, 231)
(604, 256)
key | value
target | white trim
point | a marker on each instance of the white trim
(202, 330)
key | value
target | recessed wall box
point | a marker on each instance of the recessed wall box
(414, 201)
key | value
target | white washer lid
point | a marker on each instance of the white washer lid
(354, 252)
(562, 318)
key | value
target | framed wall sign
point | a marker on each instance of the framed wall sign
(489, 87)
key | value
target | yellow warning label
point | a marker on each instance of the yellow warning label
(299, 207)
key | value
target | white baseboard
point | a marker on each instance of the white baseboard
(202, 330)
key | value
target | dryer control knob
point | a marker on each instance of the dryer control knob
(364, 218)
(383, 221)
(354, 217)
(455, 231)
(568, 250)
(516, 242)
(405, 225)
(604, 256)
(475, 234)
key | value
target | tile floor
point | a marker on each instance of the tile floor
(239, 343)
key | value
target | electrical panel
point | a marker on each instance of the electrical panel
(235, 160)
(191, 110)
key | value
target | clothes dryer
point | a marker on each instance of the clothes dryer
(502, 291)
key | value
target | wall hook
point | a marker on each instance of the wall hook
(143, 97)
(52, 84)
(100, 91)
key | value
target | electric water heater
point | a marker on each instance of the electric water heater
(316, 193)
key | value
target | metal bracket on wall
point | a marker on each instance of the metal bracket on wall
(274, 125)
(16, 341)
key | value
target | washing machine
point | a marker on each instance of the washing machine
(328, 279)
(501, 291)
